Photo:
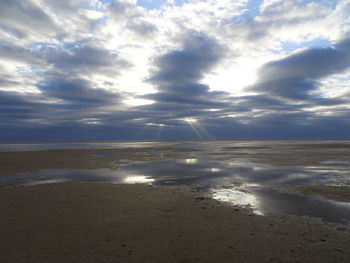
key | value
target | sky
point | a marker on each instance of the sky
(86, 70)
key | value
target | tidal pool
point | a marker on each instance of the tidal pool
(263, 176)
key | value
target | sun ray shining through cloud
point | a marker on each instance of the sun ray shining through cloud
(194, 124)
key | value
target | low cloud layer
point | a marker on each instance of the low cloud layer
(195, 69)
(179, 72)
(295, 76)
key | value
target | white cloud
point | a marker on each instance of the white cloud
(138, 35)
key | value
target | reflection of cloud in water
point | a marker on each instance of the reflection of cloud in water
(230, 177)
(237, 198)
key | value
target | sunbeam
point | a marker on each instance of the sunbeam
(197, 128)
(151, 130)
(158, 132)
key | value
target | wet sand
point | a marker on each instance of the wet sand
(100, 222)
(30, 161)
(339, 193)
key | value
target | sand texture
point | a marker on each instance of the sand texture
(30, 161)
(100, 222)
(104, 222)
(339, 193)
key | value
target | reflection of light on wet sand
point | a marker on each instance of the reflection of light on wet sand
(44, 181)
(138, 179)
(213, 170)
(237, 198)
(191, 161)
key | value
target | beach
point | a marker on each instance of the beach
(97, 221)
(174, 131)
(101, 222)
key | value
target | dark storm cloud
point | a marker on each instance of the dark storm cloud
(302, 125)
(77, 91)
(66, 102)
(35, 117)
(67, 78)
(294, 77)
(197, 98)
(83, 58)
(26, 117)
(180, 72)
(21, 17)
(15, 99)
(189, 64)
(23, 110)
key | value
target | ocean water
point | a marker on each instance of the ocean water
(262, 175)
(215, 145)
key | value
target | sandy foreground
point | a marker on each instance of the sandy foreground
(103, 222)
(100, 222)
(30, 161)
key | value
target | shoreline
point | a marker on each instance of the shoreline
(103, 222)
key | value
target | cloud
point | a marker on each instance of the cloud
(85, 58)
(20, 111)
(187, 65)
(9, 51)
(77, 91)
(22, 18)
(179, 72)
(295, 76)
(126, 14)
(122, 10)
(15, 99)
(142, 28)
(71, 70)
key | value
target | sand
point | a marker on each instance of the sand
(30, 161)
(100, 222)
(339, 193)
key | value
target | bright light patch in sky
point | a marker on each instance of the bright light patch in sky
(138, 102)
(245, 74)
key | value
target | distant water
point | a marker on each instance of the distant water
(17, 147)
(258, 174)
